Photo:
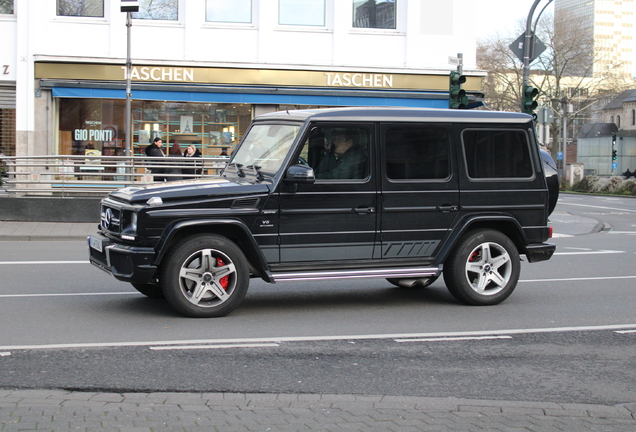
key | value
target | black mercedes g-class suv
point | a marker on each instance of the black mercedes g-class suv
(397, 193)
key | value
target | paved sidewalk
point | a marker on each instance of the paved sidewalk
(35, 231)
(55, 410)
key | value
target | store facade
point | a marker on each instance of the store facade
(210, 107)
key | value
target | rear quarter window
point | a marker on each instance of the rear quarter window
(497, 154)
(417, 152)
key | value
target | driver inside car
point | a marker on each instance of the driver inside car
(347, 160)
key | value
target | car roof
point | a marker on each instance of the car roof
(397, 114)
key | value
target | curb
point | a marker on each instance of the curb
(41, 238)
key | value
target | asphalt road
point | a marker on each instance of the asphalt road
(564, 335)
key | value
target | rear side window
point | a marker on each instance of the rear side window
(496, 153)
(417, 152)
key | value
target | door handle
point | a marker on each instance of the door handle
(446, 208)
(364, 210)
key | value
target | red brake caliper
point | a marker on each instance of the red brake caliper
(225, 280)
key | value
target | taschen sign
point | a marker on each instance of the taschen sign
(238, 76)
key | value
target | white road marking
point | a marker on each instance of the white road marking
(279, 340)
(70, 294)
(578, 279)
(458, 338)
(217, 346)
(625, 331)
(5, 354)
(596, 252)
(42, 262)
(622, 232)
(598, 207)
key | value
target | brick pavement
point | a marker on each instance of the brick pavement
(58, 410)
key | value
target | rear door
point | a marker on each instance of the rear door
(502, 175)
(420, 196)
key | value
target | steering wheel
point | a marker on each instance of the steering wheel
(302, 161)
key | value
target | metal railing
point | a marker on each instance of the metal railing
(64, 175)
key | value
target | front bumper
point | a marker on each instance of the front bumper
(126, 263)
(540, 252)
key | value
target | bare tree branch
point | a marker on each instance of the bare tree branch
(571, 67)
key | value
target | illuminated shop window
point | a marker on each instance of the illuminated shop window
(99, 124)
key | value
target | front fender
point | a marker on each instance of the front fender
(248, 244)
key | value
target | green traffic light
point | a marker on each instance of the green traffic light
(528, 103)
(457, 98)
(457, 79)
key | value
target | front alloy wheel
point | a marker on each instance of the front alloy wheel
(484, 268)
(205, 276)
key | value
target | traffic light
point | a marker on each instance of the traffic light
(457, 98)
(614, 155)
(528, 104)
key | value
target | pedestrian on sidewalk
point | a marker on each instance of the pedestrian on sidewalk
(154, 150)
(175, 173)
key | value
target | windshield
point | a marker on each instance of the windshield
(266, 146)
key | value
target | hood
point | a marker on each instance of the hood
(191, 189)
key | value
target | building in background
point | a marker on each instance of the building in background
(610, 26)
(7, 80)
(202, 69)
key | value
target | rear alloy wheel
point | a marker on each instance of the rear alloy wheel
(205, 276)
(483, 269)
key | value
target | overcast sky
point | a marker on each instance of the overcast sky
(502, 15)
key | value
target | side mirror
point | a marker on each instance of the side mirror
(300, 174)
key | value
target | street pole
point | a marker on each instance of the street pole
(128, 114)
(528, 45)
(564, 118)
(527, 48)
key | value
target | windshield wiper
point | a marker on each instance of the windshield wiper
(257, 171)
(238, 167)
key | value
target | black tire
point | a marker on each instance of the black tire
(149, 290)
(205, 276)
(413, 282)
(483, 269)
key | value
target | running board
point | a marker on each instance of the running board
(416, 272)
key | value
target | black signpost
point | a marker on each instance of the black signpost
(526, 43)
